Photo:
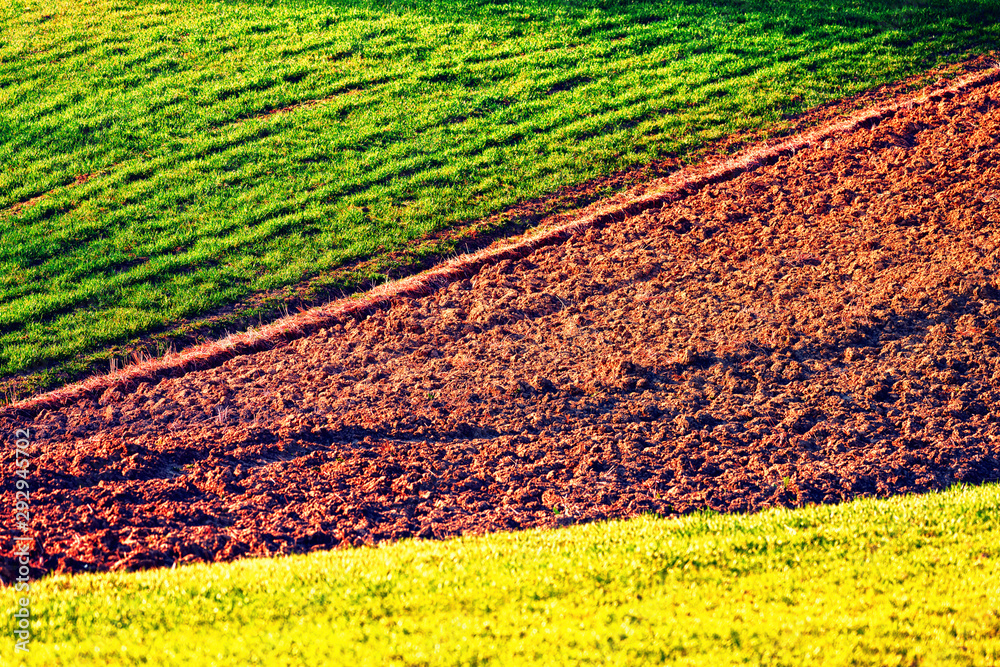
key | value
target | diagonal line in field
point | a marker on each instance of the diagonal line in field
(293, 327)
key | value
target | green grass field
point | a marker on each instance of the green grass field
(906, 581)
(144, 179)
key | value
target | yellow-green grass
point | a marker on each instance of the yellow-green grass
(904, 581)
(143, 179)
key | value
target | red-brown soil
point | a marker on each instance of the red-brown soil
(813, 330)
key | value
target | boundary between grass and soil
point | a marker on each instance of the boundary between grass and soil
(403, 260)
(663, 191)
(904, 580)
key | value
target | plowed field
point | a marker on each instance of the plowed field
(815, 328)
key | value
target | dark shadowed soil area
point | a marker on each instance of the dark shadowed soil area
(820, 328)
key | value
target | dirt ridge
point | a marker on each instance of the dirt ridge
(295, 326)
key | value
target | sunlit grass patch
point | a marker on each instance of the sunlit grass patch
(910, 580)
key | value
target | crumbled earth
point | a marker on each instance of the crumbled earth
(822, 328)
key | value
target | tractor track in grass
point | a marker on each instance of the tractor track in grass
(817, 324)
